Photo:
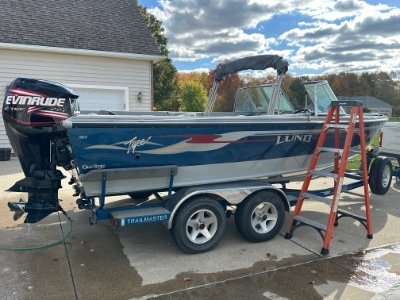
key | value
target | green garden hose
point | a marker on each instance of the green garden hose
(45, 245)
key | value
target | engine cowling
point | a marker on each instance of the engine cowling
(33, 111)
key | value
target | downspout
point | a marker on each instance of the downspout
(151, 86)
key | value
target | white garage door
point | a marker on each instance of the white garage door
(95, 99)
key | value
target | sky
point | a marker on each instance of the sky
(316, 37)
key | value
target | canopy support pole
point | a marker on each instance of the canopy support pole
(275, 94)
(212, 97)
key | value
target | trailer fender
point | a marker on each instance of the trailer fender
(227, 194)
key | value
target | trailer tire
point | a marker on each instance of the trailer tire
(199, 225)
(380, 175)
(260, 217)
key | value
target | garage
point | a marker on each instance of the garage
(110, 70)
(101, 97)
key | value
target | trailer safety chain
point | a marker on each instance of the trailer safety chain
(45, 245)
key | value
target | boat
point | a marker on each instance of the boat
(113, 153)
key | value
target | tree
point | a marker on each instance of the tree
(165, 86)
(193, 96)
(164, 72)
(297, 93)
(386, 88)
(226, 91)
(200, 77)
(367, 84)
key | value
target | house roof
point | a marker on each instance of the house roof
(100, 25)
(368, 101)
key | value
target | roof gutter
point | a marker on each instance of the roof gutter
(153, 58)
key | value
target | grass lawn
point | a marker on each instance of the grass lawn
(356, 161)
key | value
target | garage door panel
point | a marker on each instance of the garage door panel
(96, 99)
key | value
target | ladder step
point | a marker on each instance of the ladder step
(333, 150)
(309, 222)
(352, 193)
(347, 103)
(355, 151)
(350, 214)
(324, 174)
(339, 126)
(316, 197)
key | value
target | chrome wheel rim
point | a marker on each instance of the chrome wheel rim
(386, 176)
(264, 217)
(201, 226)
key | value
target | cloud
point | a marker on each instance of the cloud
(348, 5)
(383, 24)
(219, 27)
(313, 33)
(197, 70)
(179, 16)
(197, 29)
(366, 42)
(329, 35)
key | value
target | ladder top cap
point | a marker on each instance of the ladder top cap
(347, 103)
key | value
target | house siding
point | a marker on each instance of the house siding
(77, 69)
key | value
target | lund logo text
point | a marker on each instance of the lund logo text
(306, 138)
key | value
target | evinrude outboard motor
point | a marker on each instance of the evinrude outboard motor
(33, 111)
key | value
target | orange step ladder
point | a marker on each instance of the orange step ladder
(332, 121)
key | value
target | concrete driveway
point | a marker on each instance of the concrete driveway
(101, 262)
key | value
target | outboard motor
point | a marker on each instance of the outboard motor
(32, 112)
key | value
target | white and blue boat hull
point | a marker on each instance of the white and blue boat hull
(203, 149)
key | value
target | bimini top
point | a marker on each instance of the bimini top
(259, 62)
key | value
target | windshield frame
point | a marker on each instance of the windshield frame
(266, 91)
(318, 92)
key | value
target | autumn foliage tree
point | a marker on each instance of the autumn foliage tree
(193, 96)
(226, 91)
(379, 85)
(200, 77)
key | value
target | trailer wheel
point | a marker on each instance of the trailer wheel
(199, 225)
(380, 175)
(260, 217)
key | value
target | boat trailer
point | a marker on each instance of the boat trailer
(196, 215)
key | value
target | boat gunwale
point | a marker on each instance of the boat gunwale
(137, 119)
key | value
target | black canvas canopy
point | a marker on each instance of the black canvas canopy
(258, 62)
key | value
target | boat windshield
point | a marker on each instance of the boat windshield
(321, 96)
(256, 99)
